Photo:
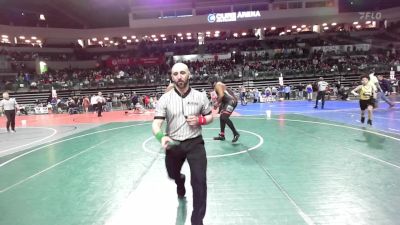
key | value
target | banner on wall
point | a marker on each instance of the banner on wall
(114, 62)
(201, 58)
(346, 48)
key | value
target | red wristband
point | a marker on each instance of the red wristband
(202, 120)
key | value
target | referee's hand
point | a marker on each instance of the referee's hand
(165, 141)
(192, 120)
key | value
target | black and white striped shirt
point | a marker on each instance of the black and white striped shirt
(8, 104)
(322, 85)
(175, 107)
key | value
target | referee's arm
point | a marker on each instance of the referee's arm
(160, 113)
(159, 117)
(156, 126)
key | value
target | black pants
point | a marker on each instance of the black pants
(287, 96)
(99, 108)
(320, 95)
(193, 150)
(10, 114)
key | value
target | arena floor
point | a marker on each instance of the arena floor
(301, 166)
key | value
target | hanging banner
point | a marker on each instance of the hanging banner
(201, 58)
(114, 62)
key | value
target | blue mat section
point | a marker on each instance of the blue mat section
(385, 119)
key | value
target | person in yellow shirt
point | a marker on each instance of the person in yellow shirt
(367, 93)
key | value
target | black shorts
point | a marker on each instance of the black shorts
(228, 107)
(365, 103)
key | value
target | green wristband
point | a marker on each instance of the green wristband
(160, 135)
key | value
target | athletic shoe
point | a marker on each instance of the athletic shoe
(235, 138)
(315, 107)
(362, 119)
(220, 138)
(180, 187)
(369, 122)
(13, 131)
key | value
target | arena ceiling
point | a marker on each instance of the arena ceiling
(73, 13)
(114, 13)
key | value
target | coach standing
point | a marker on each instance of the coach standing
(185, 111)
(9, 106)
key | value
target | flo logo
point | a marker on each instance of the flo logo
(370, 15)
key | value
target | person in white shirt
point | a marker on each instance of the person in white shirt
(373, 80)
(322, 86)
(9, 106)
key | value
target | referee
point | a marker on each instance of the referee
(9, 106)
(322, 86)
(185, 111)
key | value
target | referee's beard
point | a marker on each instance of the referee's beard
(182, 85)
